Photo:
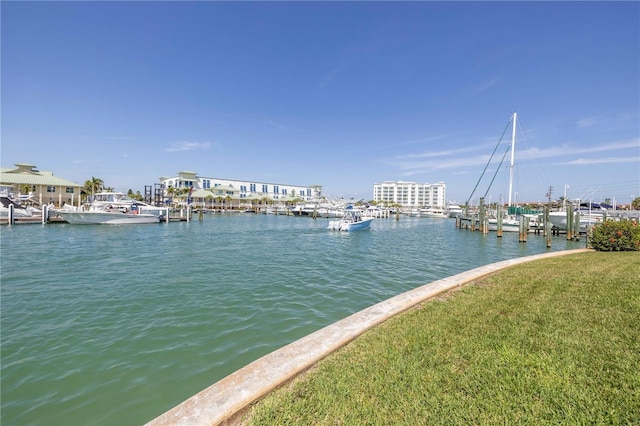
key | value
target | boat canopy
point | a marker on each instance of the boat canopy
(596, 205)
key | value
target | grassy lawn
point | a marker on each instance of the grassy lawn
(554, 341)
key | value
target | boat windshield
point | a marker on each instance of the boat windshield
(112, 197)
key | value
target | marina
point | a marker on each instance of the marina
(117, 324)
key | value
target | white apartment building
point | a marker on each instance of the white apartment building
(239, 189)
(411, 194)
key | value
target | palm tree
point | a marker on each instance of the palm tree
(171, 191)
(93, 185)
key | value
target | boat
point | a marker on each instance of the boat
(590, 214)
(453, 210)
(329, 212)
(113, 208)
(352, 220)
(509, 223)
(19, 210)
(433, 212)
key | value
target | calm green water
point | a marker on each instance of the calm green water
(117, 324)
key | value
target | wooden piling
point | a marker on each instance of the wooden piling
(522, 228)
(547, 226)
(482, 212)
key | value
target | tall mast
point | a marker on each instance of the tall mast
(513, 147)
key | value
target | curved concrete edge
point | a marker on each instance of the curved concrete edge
(227, 397)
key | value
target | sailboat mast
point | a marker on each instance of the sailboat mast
(513, 146)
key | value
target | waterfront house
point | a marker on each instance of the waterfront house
(43, 186)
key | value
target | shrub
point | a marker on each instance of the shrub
(613, 235)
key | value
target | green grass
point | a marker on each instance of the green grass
(555, 341)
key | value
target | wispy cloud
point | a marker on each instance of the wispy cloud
(275, 125)
(189, 146)
(444, 153)
(486, 85)
(118, 138)
(329, 77)
(587, 122)
(604, 160)
(570, 150)
(461, 158)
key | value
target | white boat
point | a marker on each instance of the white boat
(433, 212)
(509, 224)
(113, 208)
(352, 220)
(23, 207)
(590, 214)
(453, 210)
(411, 212)
(329, 212)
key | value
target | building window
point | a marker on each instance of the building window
(69, 190)
(51, 188)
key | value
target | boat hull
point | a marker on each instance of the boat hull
(348, 226)
(507, 225)
(559, 220)
(107, 218)
(437, 215)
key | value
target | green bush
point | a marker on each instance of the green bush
(613, 235)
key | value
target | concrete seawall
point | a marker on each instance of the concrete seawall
(229, 396)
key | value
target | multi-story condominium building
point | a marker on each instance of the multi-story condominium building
(239, 189)
(411, 194)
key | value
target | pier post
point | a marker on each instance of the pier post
(569, 224)
(547, 226)
(482, 214)
(522, 228)
(576, 227)
(548, 234)
(10, 215)
(499, 214)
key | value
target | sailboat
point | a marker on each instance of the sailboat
(509, 224)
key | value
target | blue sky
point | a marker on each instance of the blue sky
(341, 94)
